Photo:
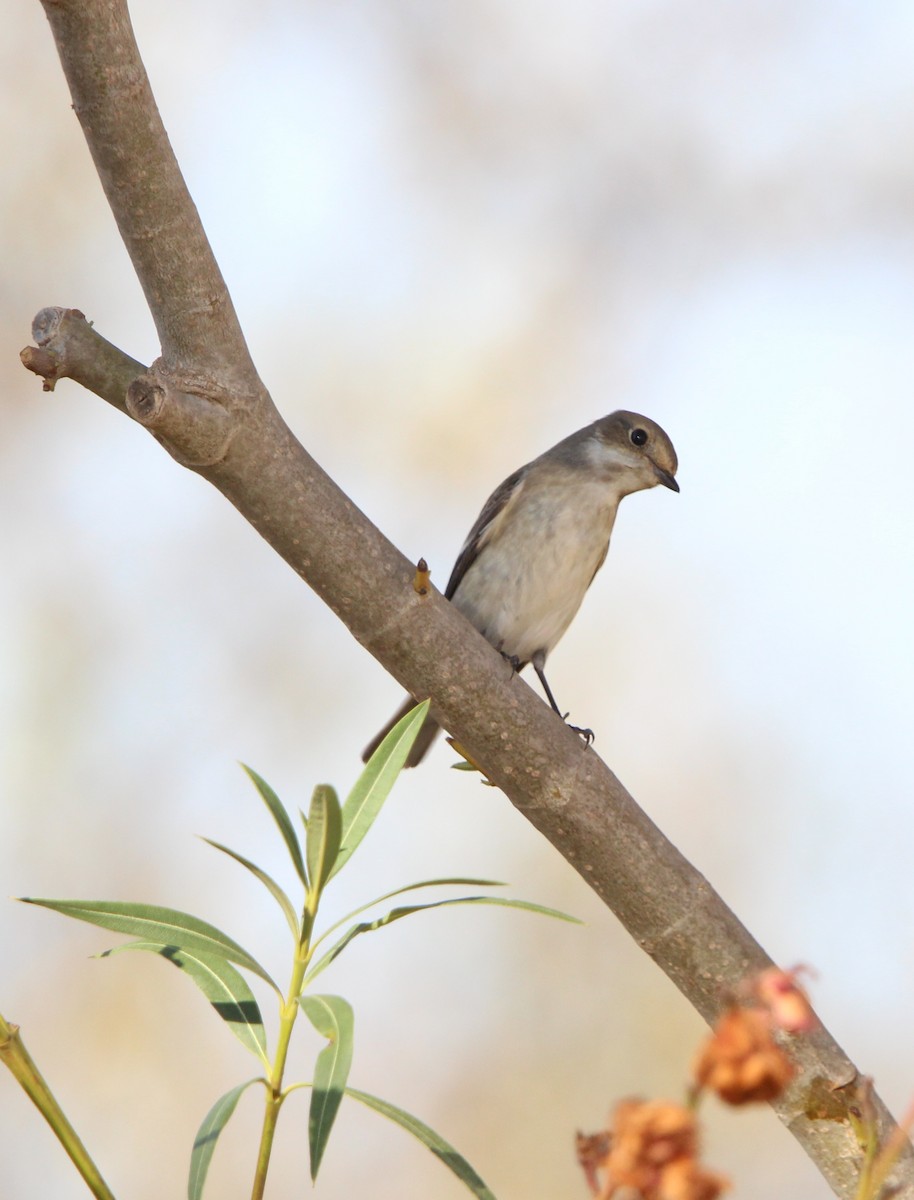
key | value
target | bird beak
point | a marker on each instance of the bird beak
(665, 478)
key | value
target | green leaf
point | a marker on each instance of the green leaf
(281, 817)
(222, 985)
(324, 833)
(207, 1135)
(270, 884)
(373, 786)
(407, 910)
(438, 1146)
(456, 881)
(151, 923)
(332, 1017)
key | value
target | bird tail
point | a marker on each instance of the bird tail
(420, 746)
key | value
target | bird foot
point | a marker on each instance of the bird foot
(586, 734)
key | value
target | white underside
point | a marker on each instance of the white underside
(528, 581)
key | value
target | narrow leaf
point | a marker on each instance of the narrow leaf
(438, 1146)
(332, 1017)
(456, 881)
(222, 985)
(281, 817)
(324, 828)
(151, 923)
(270, 884)
(373, 786)
(407, 910)
(207, 1136)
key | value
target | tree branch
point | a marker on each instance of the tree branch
(155, 214)
(204, 402)
(69, 348)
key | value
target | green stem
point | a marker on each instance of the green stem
(867, 1134)
(880, 1167)
(287, 1015)
(15, 1056)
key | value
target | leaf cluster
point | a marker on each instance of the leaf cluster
(215, 962)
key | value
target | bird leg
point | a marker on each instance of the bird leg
(539, 660)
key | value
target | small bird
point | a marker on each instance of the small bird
(541, 538)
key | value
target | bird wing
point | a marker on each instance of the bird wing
(494, 512)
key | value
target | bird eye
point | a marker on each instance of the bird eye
(638, 436)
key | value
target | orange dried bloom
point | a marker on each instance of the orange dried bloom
(684, 1179)
(786, 1002)
(741, 1061)
(592, 1149)
(647, 1135)
(650, 1151)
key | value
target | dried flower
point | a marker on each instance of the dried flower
(685, 1179)
(592, 1149)
(741, 1061)
(647, 1135)
(650, 1152)
(787, 1004)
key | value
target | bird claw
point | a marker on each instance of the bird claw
(586, 734)
(516, 665)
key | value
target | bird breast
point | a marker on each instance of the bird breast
(527, 582)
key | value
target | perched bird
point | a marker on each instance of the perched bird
(540, 540)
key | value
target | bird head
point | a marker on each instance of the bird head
(636, 447)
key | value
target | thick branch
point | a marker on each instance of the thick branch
(205, 403)
(158, 220)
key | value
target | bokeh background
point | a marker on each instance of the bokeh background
(455, 232)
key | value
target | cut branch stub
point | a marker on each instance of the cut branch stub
(192, 416)
(194, 422)
(47, 322)
(41, 362)
(69, 348)
(145, 399)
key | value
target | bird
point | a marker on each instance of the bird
(539, 541)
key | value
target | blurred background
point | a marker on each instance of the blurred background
(455, 232)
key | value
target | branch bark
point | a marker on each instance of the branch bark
(205, 403)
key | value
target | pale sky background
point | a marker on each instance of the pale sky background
(455, 232)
